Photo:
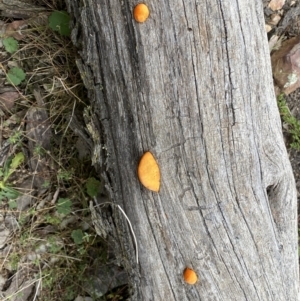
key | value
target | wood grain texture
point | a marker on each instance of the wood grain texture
(193, 85)
(19, 9)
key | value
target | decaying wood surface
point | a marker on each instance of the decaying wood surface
(19, 9)
(192, 85)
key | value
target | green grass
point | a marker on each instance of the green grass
(291, 121)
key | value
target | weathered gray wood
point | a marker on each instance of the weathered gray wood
(193, 85)
(19, 9)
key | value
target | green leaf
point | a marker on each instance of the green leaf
(59, 21)
(64, 206)
(65, 175)
(6, 168)
(12, 204)
(92, 186)
(17, 160)
(15, 137)
(12, 164)
(55, 247)
(77, 236)
(8, 193)
(11, 45)
(53, 220)
(15, 76)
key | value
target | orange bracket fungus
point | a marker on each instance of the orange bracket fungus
(148, 172)
(190, 276)
(141, 12)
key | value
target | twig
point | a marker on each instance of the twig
(130, 226)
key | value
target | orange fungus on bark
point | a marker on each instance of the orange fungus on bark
(148, 172)
(141, 12)
(190, 276)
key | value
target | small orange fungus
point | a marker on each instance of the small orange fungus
(190, 276)
(148, 172)
(141, 12)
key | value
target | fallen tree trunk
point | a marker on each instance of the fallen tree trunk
(193, 86)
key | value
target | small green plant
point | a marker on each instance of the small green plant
(10, 166)
(64, 175)
(292, 122)
(12, 204)
(14, 259)
(15, 76)
(70, 294)
(92, 186)
(64, 206)
(38, 150)
(53, 220)
(25, 239)
(11, 45)
(59, 21)
(15, 137)
(23, 219)
(77, 236)
(54, 247)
